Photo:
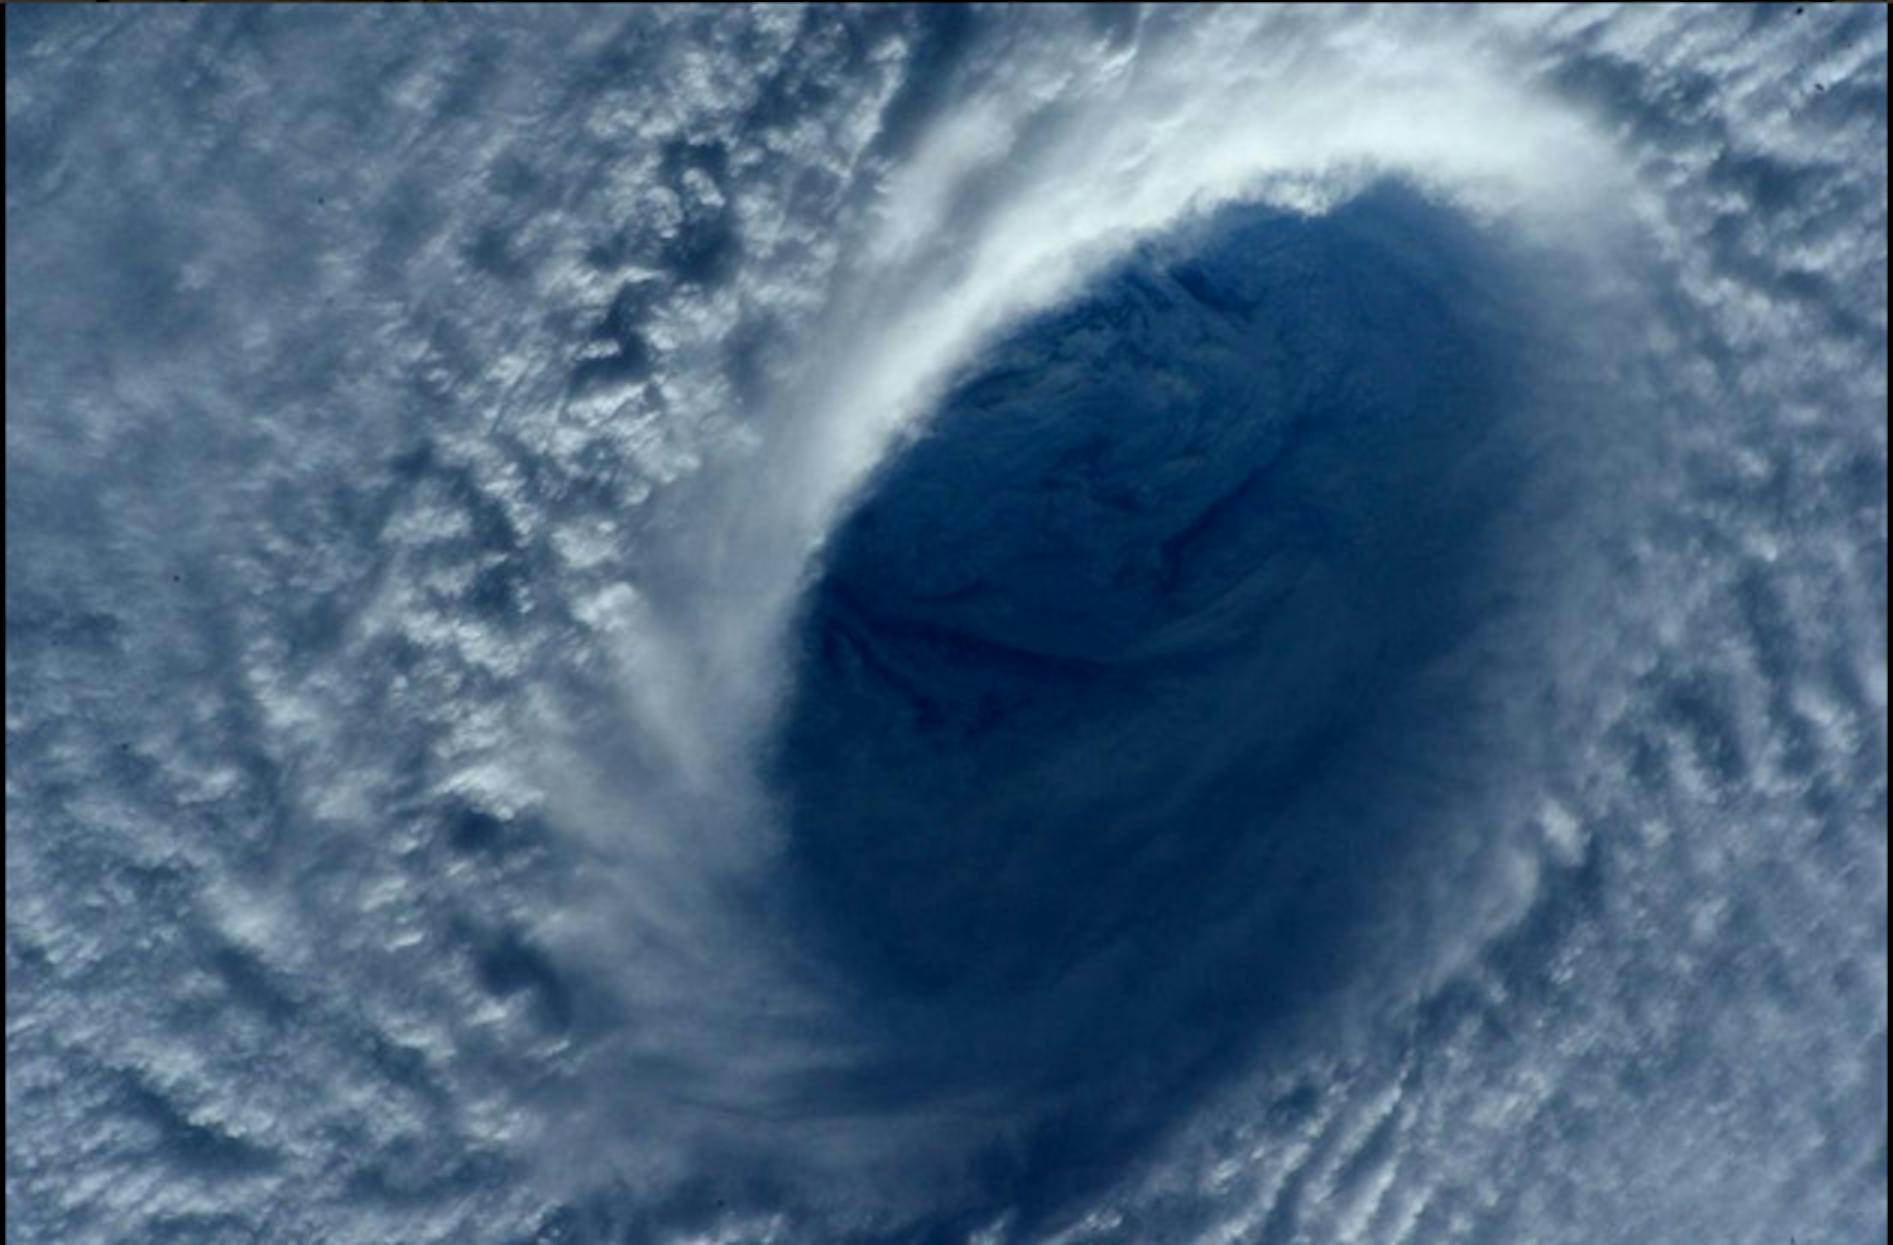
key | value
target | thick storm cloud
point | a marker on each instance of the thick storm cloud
(1048, 625)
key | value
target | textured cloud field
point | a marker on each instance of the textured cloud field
(1061, 625)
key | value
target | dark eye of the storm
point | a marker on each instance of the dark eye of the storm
(1082, 658)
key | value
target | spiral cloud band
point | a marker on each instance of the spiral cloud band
(1066, 624)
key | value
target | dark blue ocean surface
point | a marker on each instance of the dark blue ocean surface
(927, 624)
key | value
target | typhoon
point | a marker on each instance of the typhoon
(1056, 625)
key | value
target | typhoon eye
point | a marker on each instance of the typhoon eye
(1080, 667)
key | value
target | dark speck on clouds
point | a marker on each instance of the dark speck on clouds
(1051, 626)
